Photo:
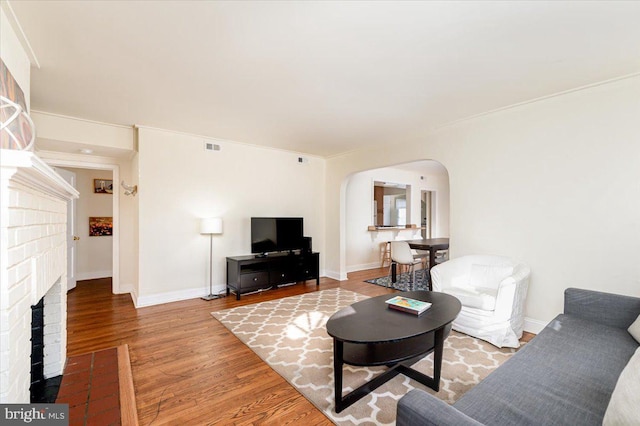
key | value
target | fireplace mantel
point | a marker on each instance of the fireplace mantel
(27, 168)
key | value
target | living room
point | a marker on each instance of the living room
(549, 173)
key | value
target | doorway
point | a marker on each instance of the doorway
(93, 224)
(112, 170)
(427, 213)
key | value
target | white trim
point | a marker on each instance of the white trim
(362, 267)
(174, 296)
(29, 169)
(335, 275)
(533, 326)
(126, 288)
(22, 37)
(534, 100)
(69, 117)
(94, 275)
(115, 169)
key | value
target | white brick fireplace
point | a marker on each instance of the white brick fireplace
(33, 265)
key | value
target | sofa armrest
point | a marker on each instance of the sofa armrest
(420, 408)
(614, 310)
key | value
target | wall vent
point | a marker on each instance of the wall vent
(210, 146)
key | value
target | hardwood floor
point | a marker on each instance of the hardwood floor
(187, 368)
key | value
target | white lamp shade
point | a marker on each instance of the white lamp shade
(211, 225)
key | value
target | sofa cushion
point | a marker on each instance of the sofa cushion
(625, 400)
(565, 375)
(488, 276)
(634, 329)
(480, 298)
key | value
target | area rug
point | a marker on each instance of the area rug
(403, 281)
(289, 334)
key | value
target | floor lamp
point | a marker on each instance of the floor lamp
(211, 226)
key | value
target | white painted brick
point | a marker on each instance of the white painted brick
(31, 248)
(53, 329)
(12, 278)
(49, 343)
(54, 316)
(14, 198)
(33, 225)
(17, 293)
(15, 255)
(53, 295)
(12, 237)
(30, 217)
(25, 200)
(16, 217)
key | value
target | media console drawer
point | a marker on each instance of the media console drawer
(254, 279)
(246, 274)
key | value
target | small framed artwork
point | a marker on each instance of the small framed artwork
(103, 186)
(100, 226)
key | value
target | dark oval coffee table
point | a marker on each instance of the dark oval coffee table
(369, 333)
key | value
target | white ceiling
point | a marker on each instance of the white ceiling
(316, 77)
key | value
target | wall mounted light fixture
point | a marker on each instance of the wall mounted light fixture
(129, 189)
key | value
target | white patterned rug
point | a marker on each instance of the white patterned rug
(289, 334)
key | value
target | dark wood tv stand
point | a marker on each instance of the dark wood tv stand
(246, 274)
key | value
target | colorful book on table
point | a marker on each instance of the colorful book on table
(406, 304)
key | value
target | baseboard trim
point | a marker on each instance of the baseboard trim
(173, 296)
(362, 267)
(534, 326)
(335, 276)
(125, 288)
(94, 275)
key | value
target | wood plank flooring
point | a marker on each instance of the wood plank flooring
(189, 369)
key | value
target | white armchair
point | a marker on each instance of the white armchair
(492, 290)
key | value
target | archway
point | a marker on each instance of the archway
(403, 216)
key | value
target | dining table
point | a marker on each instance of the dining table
(432, 245)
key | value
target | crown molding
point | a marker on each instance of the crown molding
(22, 36)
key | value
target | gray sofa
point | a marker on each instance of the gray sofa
(564, 376)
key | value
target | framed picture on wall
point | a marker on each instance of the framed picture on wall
(103, 186)
(100, 226)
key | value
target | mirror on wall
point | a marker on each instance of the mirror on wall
(389, 204)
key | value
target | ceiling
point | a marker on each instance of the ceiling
(321, 78)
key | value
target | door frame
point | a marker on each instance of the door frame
(71, 233)
(429, 197)
(115, 170)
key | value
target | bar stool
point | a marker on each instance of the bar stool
(385, 254)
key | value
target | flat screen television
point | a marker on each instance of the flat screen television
(271, 234)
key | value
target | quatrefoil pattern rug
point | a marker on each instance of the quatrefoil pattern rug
(289, 334)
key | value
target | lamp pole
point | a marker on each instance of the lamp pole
(211, 226)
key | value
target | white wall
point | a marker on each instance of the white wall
(363, 246)
(94, 255)
(554, 183)
(180, 182)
